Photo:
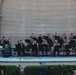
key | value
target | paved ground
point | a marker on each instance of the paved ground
(26, 61)
(38, 59)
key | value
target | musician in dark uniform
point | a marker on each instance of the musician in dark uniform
(56, 48)
(74, 48)
(49, 40)
(44, 47)
(34, 47)
(39, 41)
(21, 48)
(66, 47)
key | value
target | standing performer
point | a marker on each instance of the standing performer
(34, 47)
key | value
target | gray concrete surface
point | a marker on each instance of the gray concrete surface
(20, 18)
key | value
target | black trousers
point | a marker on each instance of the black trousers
(21, 51)
(58, 53)
(34, 52)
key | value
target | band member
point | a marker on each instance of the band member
(49, 40)
(74, 48)
(3, 41)
(56, 48)
(71, 40)
(64, 36)
(66, 47)
(39, 41)
(44, 46)
(53, 39)
(61, 43)
(33, 37)
(71, 36)
(21, 48)
(34, 47)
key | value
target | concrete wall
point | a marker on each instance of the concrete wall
(20, 18)
(0, 1)
(0, 16)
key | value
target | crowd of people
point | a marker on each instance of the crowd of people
(53, 44)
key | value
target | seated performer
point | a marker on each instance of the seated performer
(74, 47)
(56, 48)
(66, 47)
(44, 47)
